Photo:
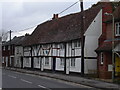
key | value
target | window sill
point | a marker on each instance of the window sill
(117, 35)
(46, 65)
(61, 66)
(72, 66)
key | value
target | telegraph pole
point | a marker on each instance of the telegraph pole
(82, 38)
(10, 49)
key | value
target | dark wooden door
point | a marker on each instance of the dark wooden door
(54, 63)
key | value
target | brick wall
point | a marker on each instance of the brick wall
(109, 31)
(107, 7)
(103, 68)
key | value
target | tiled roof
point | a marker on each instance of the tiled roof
(62, 29)
(107, 45)
(14, 41)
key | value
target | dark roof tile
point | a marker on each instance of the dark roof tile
(62, 29)
(107, 45)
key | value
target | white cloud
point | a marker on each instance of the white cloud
(18, 15)
(21, 33)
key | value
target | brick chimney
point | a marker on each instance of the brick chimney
(105, 1)
(55, 16)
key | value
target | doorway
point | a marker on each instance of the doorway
(117, 66)
(21, 62)
(54, 63)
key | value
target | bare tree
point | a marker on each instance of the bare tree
(4, 35)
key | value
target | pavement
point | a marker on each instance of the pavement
(70, 78)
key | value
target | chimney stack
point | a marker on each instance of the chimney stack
(105, 1)
(55, 16)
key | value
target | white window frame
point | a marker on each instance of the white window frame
(55, 45)
(38, 61)
(27, 61)
(17, 50)
(3, 60)
(73, 62)
(46, 61)
(8, 47)
(3, 48)
(101, 58)
(62, 46)
(76, 44)
(117, 29)
(61, 61)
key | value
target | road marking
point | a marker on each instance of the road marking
(44, 87)
(17, 72)
(12, 76)
(26, 81)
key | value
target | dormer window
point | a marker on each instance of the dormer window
(117, 30)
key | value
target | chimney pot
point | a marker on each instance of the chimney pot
(55, 16)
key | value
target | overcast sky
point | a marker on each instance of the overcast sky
(20, 15)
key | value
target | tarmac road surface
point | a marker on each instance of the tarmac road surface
(12, 79)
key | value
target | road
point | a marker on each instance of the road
(12, 79)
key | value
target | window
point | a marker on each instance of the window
(3, 48)
(102, 58)
(46, 61)
(117, 32)
(27, 60)
(27, 49)
(73, 62)
(17, 61)
(55, 45)
(3, 60)
(8, 47)
(45, 46)
(76, 44)
(61, 46)
(62, 61)
(17, 50)
(38, 61)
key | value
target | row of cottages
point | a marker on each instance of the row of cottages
(10, 52)
(56, 44)
(105, 47)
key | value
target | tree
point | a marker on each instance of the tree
(4, 35)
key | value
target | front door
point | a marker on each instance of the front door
(12, 62)
(21, 62)
(54, 63)
(117, 66)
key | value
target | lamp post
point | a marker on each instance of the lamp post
(113, 62)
